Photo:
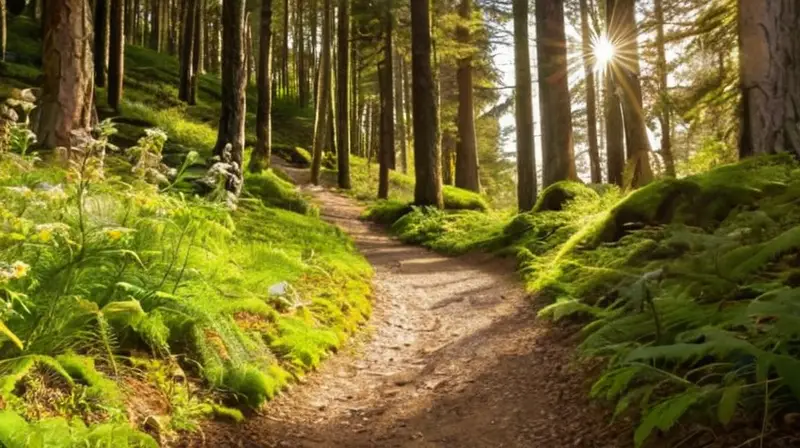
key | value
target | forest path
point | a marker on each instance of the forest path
(453, 357)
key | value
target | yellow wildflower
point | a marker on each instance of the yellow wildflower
(20, 269)
(45, 235)
(114, 234)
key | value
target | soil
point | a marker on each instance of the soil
(454, 356)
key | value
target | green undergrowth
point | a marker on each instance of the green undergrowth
(273, 190)
(364, 178)
(104, 277)
(688, 288)
(131, 269)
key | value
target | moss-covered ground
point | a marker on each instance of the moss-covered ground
(108, 281)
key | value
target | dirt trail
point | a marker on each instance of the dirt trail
(454, 357)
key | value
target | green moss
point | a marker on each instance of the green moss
(276, 192)
(225, 413)
(556, 196)
(460, 199)
(387, 212)
(82, 368)
(293, 154)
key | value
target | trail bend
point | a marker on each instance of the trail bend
(453, 357)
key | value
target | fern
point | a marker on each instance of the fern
(665, 414)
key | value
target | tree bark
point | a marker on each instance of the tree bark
(101, 20)
(399, 111)
(136, 22)
(67, 101)
(323, 94)
(626, 77)
(199, 43)
(466, 146)
(769, 54)
(665, 106)
(187, 52)
(232, 111)
(526, 155)
(407, 105)
(557, 151)
(448, 153)
(302, 72)
(427, 160)
(285, 50)
(3, 29)
(342, 94)
(260, 159)
(116, 55)
(385, 71)
(213, 44)
(591, 100)
(249, 56)
(155, 20)
(615, 145)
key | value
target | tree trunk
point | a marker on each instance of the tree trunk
(399, 111)
(199, 43)
(174, 29)
(101, 19)
(323, 93)
(68, 90)
(232, 110)
(385, 70)
(214, 44)
(285, 50)
(769, 54)
(342, 94)
(302, 78)
(615, 145)
(187, 52)
(427, 161)
(249, 56)
(663, 72)
(3, 29)
(626, 77)
(116, 54)
(526, 155)
(557, 152)
(467, 146)
(314, 63)
(155, 18)
(356, 104)
(407, 105)
(260, 158)
(448, 163)
(129, 21)
(135, 22)
(591, 100)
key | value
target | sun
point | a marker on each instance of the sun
(603, 50)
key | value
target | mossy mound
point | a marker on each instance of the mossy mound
(274, 191)
(460, 199)
(295, 155)
(387, 212)
(557, 196)
(703, 200)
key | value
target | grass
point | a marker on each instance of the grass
(104, 271)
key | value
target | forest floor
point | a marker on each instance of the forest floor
(453, 357)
